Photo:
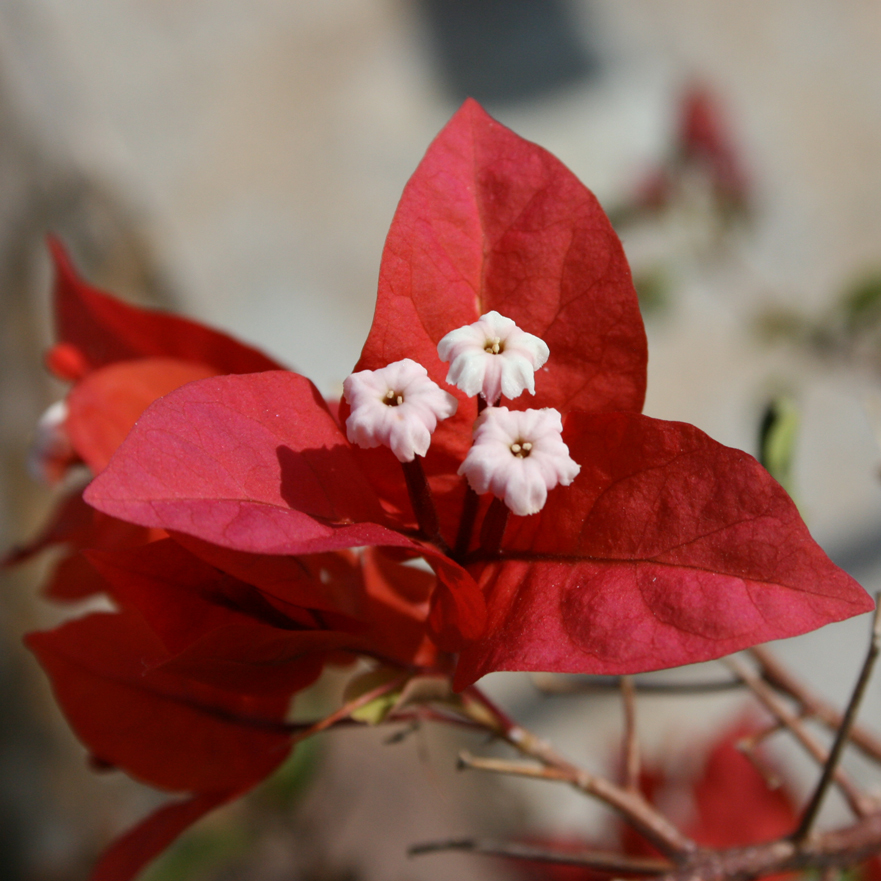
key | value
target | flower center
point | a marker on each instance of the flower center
(494, 346)
(393, 398)
(521, 449)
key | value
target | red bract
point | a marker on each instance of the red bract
(231, 467)
(188, 687)
(211, 643)
(96, 330)
(666, 549)
(74, 526)
(492, 222)
(704, 138)
(117, 686)
(163, 728)
(120, 358)
(660, 553)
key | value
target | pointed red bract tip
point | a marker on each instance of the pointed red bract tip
(105, 330)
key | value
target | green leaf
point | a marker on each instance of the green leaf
(376, 710)
(861, 303)
(777, 438)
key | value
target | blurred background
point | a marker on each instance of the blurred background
(241, 162)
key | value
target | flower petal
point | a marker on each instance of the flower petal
(52, 453)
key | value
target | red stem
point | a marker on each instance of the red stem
(493, 529)
(469, 510)
(423, 504)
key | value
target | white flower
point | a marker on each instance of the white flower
(51, 452)
(397, 406)
(493, 357)
(518, 455)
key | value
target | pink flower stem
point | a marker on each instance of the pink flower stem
(423, 504)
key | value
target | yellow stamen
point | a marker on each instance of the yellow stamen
(521, 449)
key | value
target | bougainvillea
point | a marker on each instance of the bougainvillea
(258, 532)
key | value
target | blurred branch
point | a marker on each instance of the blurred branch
(844, 730)
(630, 738)
(603, 861)
(551, 684)
(858, 802)
(747, 745)
(776, 675)
(632, 806)
(840, 849)
(826, 852)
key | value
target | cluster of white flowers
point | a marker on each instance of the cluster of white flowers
(517, 455)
